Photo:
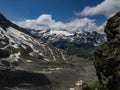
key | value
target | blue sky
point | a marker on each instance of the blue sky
(62, 11)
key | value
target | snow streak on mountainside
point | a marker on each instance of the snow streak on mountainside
(24, 48)
(81, 44)
(28, 63)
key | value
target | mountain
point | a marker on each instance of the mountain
(86, 38)
(107, 57)
(28, 63)
(22, 46)
(80, 44)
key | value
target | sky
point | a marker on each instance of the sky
(71, 15)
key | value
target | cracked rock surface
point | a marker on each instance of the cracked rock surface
(107, 57)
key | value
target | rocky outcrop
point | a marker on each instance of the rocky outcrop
(107, 57)
(4, 53)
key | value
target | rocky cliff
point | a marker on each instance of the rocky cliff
(107, 57)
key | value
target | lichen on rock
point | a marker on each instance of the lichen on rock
(107, 57)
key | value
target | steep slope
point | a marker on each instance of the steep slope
(107, 58)
(24, 48)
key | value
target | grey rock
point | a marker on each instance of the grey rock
(107, 59)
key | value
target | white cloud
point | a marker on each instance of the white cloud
(107, 8)
(42, 22)
(46, 21)
(78, 24)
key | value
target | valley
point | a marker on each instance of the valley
(25, 54)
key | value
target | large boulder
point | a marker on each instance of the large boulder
(107, 57)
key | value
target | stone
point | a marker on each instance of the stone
(4, 53)
(107, 57)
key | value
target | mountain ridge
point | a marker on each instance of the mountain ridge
(81, 44)
(21, 46)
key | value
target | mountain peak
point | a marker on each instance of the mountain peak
(4, 23)
(19, 46)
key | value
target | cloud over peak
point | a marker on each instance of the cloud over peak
(45, 21)
(107, 8)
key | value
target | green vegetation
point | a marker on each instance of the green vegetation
(79, 50)
(84, 53)
(94, 87)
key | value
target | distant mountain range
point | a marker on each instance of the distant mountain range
(81, 43)
(43, 58)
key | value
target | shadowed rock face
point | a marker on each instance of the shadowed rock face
(4, 53)
(23, 80)
(107, 57)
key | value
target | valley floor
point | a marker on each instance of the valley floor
(72, 74)
(52, 76)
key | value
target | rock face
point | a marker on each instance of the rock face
(107, 57)
(27, 63)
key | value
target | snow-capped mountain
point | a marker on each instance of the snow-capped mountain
(28, 63)
(78, 43)
(82, 37)
(31, 44)
(17, 46)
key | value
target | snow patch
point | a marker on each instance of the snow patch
(16, 33)
(29, 61)
(31, 54)
(51, 51)
(14, 46)
(23, 46)
(60, 33)
(15, 56)
(46, 59)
